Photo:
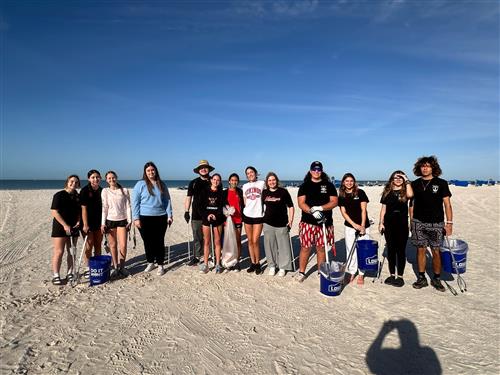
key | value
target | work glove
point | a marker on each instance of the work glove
(186, 216)
(316, 208)
(318, 215)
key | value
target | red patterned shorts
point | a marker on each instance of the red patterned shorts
(312, 235)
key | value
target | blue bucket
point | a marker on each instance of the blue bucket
(367, 251)
(330, 286)
(100, 267)
(459, 249)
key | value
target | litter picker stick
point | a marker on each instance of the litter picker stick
(291, 251)
(462, 285)
(351, 252)
(76, 276)
(188, 241)
(380, 264)
(325, 241)
(212, 243)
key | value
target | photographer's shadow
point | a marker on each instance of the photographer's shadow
(409, 358)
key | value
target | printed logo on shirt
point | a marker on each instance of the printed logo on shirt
(253, 193)
(323, 189)
(272, 199)
(355, 198)
(435, 188)
(212, 201)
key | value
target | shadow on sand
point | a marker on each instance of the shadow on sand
(409, 358)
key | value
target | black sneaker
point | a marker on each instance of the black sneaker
(258, 270)
(420, 283)
(436, 283)
(390, 280)
(398, 282)
(193, 262)
(251, 268)
(236, 268)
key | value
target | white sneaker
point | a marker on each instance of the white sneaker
(149, 267)
(301, 277)
(161, 271)
(281, 273)
(113, 273)
(272, 271)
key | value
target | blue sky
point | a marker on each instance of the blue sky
(364, 86)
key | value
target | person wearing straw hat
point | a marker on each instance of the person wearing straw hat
(430, 195)
(317, 197)
(195, 188)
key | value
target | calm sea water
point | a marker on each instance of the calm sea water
(59, 184)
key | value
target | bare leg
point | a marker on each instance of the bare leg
(217, 235)
(59, 245)
(122, 243)
(113, 245)
(206, 243)
(257, 230)
(421, 260)
(249, 232)
(303, 258)
(436, 260)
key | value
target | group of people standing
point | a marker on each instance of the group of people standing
(259, 206)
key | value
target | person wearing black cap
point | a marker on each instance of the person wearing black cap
(317, 197)
(195, 189)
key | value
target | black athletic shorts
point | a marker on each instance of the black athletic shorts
(111, 224)
(58, 230)
(252, 220)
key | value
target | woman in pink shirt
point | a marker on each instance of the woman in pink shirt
(116, 221)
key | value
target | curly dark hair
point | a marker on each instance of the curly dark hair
(432, 161)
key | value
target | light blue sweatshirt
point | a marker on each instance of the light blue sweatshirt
(146, 204)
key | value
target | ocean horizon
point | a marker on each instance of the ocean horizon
(12, 184)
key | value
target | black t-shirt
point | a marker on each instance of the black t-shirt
(276, 203)
(212, 203)
(352, 206)
(195, 189)
(317, 194)
(428, 199)
(68, 206)
(92, 200)
(395, 209)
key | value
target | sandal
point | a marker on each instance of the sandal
(86, 274)
(70, 277)
(56, 280)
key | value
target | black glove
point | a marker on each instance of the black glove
(187, 217)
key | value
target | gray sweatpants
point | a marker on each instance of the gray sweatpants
(197, 238)
(277, 246)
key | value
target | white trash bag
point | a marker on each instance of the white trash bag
(230, 246)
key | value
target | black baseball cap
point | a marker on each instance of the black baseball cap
(316, 166)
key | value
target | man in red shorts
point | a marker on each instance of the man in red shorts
(317, 197)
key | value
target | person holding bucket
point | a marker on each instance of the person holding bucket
(317, 197)
(65, 210)
(212, 200)
(90, 200)
(233, 197)
(152, 214)
(393, 224)
(278, 219)
(116, 221)
(353, 202)
(253, 214)
(431, 195)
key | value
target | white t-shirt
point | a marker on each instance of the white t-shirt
(115, 205)
(253, 193)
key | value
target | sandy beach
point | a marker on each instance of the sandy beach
(237, 323)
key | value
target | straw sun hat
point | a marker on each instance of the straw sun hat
(201, 164)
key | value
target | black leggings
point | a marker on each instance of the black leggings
(152, 231)
(396, 236)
